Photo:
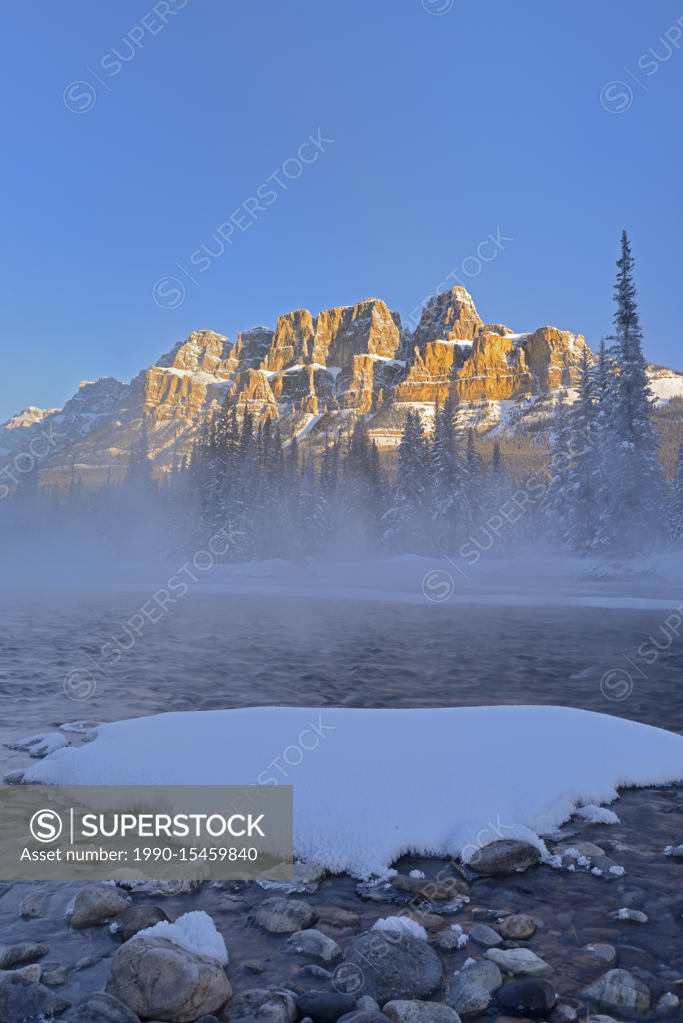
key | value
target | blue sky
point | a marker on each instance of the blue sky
(134, 131)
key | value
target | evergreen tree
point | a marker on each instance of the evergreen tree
(676, 501)
(556, 500)
(583, 478)
(630, 515)
(405, 523)
(451, 511)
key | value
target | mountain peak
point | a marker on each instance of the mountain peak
(317, 376)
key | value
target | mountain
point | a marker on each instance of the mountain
(316, 376)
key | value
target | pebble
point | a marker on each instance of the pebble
(55, 977)
(668, 1004)
(635, 915)
(324, 1007)
(389, 969)
(253, 966)
(35, 905)
(263, 1005)
(135, 918)
(504, 857)
(607, 954)
(157, 979)
(336, 917)
(518, 961)
(619, 989)
(86, 962)
(442, 890)
(22, 999)
(314, 943)
(25, 952)
(100, 1008)
(470, 990)
(313, 970)
(95, 904)
(517, 927)
(283, 916)
(564, 1013)
(450, 940)
(31, 972)
(485, 935)
(420, 1012)
(363, 1016)
(536, 997)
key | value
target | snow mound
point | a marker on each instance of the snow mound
(195, 932)
(373, 785)
(400, 925)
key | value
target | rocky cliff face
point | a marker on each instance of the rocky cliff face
(316, 376)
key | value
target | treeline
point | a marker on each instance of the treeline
(601, 489)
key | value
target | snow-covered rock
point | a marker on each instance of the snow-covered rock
(351, 817)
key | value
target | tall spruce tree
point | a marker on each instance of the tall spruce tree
(630, 514)
(405, 523)
(676, 501)
(450, 505)
(583, 477)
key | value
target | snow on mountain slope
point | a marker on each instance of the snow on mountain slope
(316, 376)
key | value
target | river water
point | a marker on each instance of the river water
(71, 656)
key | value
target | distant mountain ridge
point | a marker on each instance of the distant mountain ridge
(316, 376)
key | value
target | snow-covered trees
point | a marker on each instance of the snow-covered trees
(602, 489)
(607, 491)
(406, 520)
(635, 493)
(451, 512)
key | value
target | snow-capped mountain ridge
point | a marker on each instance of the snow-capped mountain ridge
(316, 376)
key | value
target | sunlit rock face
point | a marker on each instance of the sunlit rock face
(315, 376)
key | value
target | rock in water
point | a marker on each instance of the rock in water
(314, 943)
(25, 1001)
(607, 954)
(265, 1005)
(35, 905)
(442, 890)
(100, 1008)
(485, 935)
(283, 916)
(25, 952)
(420, 1012)
(391, 966)
(668, 1004)
(504, 857)
(531, 996)
(96, 903)
(619, 989)
(364, 1015)
(159, 980)
(324, 1007)
(469, 992)
(520, 962)
(517, 927)
(136, 918)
